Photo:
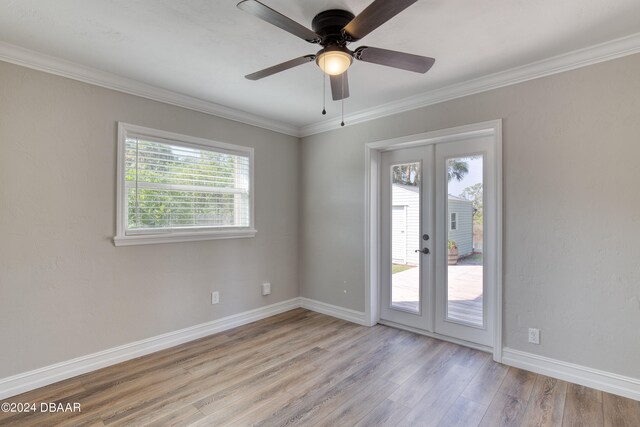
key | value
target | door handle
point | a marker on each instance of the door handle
(424, 251)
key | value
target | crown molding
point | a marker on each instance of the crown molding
(613, 49)
(49, 64)
(557, 64)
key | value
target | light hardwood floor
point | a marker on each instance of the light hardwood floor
(304, 368)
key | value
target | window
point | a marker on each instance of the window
(178, 188)
(453, 221)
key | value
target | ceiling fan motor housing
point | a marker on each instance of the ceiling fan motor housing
(329, 24)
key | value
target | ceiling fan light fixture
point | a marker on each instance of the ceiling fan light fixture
(334, 61)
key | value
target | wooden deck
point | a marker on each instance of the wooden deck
(308, 369)
(465, 292)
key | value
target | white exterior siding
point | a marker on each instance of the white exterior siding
(463, 235)
(406, 216)
(399, 235)
(407, 195)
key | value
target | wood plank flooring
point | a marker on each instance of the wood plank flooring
(305, 368)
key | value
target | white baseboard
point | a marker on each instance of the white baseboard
(27, 381)
(16, 384)
(600, 380)
(334, 311)
(41, 377)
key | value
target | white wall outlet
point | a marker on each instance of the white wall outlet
(215, 297)
(266, 288)
(534, 336)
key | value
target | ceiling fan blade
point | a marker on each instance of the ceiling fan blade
(340, 86)
(280, 67)
(376, 14)
(265, 13)
(395, 59)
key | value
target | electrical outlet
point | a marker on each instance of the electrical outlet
(266, 288)
(215, 297)
(534, 336)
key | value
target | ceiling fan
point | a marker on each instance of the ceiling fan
(333, 30)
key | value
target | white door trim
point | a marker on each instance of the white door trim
(373, 150)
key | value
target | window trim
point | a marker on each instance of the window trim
(452, 221)
(144, 238)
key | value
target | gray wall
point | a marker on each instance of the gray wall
(65, 290)
(571, 209)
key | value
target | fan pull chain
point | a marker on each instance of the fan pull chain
(342, 122)
(324, 88)
(324, 94)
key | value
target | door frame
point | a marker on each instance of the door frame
(373, 151)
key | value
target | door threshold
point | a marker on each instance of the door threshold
(475, 346)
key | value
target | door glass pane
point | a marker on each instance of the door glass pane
(464, 224)
(405, 237)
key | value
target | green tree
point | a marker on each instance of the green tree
(409, 174)
(457, 169)
(474, 194)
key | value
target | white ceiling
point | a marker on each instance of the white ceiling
(203, 48)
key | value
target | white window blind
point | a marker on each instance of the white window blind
(183, 187)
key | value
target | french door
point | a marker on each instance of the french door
(407, 273)
(437, 255)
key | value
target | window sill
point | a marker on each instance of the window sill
(151, 239)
